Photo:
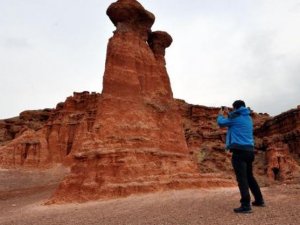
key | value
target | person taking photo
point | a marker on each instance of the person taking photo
(239, 141)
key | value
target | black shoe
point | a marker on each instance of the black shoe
(243, 209)
(259, 204)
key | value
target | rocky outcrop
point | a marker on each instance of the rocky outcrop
(137, 143)
(135, 67)
(281, 166)
(283, 128)
(279, 137)
(134, 137)
(30, 119)
(54, 135)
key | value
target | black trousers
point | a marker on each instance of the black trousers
(242, 163)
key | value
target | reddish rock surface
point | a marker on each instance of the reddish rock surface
(14, 127)
(51, 135)
(279, 137)
(137, 142)
(134, 137)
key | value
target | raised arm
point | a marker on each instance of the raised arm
(224, 122)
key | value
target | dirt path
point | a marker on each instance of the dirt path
(187, 207)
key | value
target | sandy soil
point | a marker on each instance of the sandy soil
(186, 207)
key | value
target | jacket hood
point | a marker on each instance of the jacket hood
(241, 111)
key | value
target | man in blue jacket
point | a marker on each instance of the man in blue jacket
(239, 140)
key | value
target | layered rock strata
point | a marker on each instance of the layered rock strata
(134, 137)
(14, 127)
(137, 143)
(55, 134)
(279, 137)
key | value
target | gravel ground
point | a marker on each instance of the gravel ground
(185, 207)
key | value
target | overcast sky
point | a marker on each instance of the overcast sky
(222, 50)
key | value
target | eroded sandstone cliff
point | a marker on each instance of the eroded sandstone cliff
(135, 137)
(279, 137)
(51, 135)
(137, 142)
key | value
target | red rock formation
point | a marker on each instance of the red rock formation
(204, 138)
(14, 127)
(285, 128)
(134, 137)
(51, 135)
(281, 165)
(137, 143)
(280, 138)
(132, 68)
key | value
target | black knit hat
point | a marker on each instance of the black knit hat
(238, 103)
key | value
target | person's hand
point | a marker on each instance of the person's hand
(221, 112)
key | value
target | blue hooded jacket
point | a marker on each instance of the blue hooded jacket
(240, 129)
